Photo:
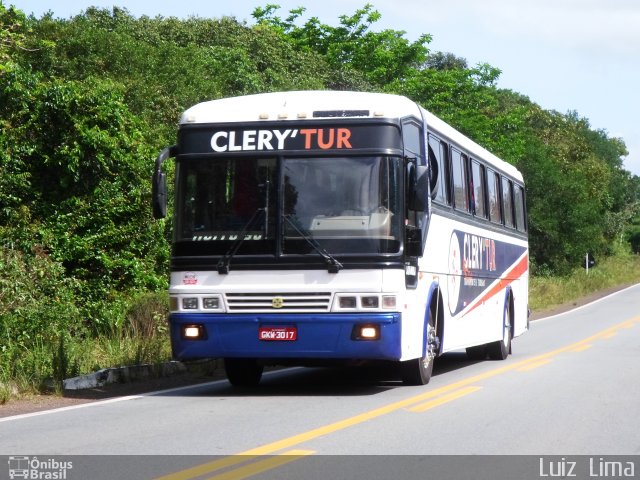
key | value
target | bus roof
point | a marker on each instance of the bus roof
(301, 105)
(318, 104)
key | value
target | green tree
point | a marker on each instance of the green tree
(166, 65)
(12, 36)
(380, 56)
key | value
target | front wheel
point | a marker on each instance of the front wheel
(501, 349)
(243, 372)
(417, 371)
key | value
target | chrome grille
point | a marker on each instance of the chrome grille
(279, 302)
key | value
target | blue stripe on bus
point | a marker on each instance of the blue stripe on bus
(319, 336)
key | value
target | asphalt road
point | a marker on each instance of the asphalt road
(570, 390)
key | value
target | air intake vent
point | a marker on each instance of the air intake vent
(278, 302)
(340, 113)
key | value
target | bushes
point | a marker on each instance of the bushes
(44, 337)
(76, 238)
(36, 309)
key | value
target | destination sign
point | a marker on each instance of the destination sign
(237, 140)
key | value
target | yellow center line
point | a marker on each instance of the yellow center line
(263, 465)
(582, 348)
(295, 440)
(208, 467)
(535, 365)
(423, 407)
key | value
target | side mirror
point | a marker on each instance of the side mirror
(413, 242)
(419, 189)
(159, 195)
(159, 184)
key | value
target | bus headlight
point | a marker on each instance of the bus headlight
(370, 302)
(364, 302)
(348, 302)
(190, 303)
(210, 303)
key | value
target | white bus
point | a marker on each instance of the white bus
(321, 227)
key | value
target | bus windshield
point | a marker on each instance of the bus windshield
(346, 205)
(349, 205)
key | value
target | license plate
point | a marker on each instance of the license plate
(278, 334)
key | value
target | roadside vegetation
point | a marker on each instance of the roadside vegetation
(548, 292)
(86, 103)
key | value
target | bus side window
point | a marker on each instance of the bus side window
(507, 201)
(493, 184)
(521, 223)
(413, 140)
(439, 170)
(478, 189)
(460, 183)
(445, 176)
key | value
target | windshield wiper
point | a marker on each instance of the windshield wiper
(225, 261)
(333, 265)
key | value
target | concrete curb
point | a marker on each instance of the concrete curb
(124, 375)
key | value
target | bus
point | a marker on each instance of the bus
(333, 227)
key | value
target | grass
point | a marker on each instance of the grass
(42, 368)
(547, 293)
(28, 369)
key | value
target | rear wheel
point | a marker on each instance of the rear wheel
(418, 371)
(501, 349)
(243, 372)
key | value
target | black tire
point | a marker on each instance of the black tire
(417, 371)
(501, 349)
(243, 372)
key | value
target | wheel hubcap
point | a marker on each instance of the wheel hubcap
(507, 332)
(431, 345)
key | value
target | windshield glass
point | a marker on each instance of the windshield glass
(219, 199)
(347, 205)
(344, 205)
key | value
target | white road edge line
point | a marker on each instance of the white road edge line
(70, 407)
(105, 402)
(573, 310)
(120, 399)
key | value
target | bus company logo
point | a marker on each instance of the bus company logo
(262, 140)
(471, 259)
(277, 302)
(37, 469)
(190, 278)
(479, 254)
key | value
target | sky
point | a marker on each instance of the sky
(565, 55)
